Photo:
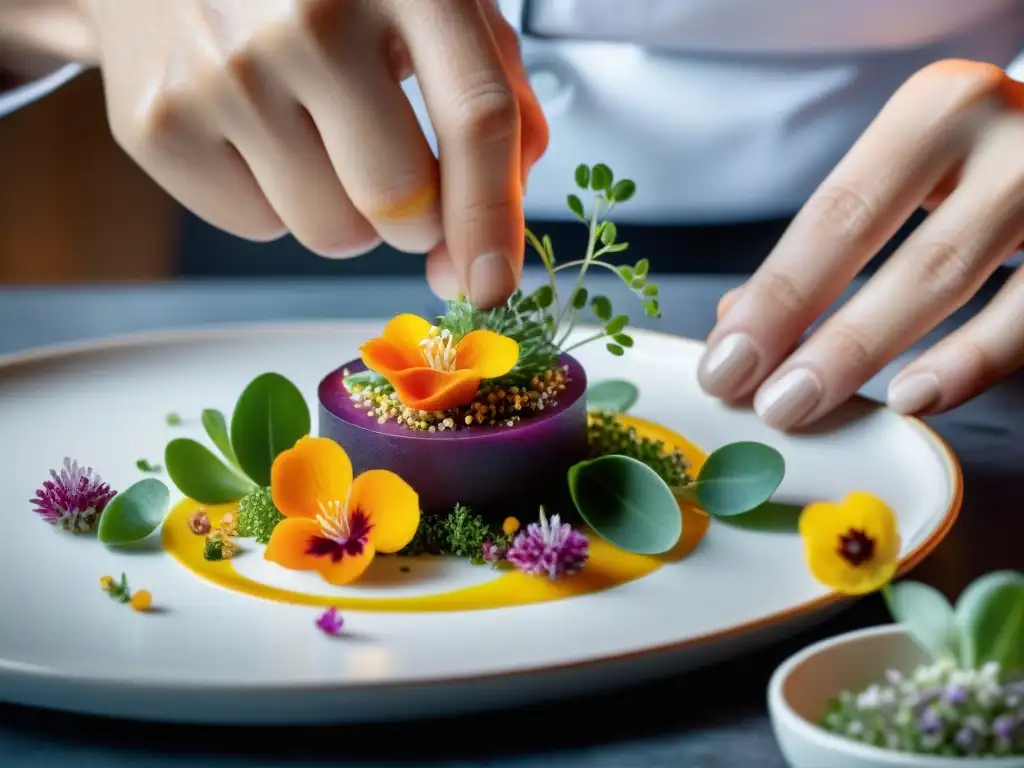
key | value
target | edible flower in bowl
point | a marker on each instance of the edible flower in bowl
(333, 524)
(430, 369)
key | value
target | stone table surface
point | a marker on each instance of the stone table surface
(710, 718)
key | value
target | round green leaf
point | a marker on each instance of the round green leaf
(738, 478)
(608, 233)
(615, 349)
(579, 299)
(624, 339)
(626, 504)
(990, 616)
(134, 513)
(626, 273)
(616, 325)
(601, 177)
(216, 427)
(544, 296)
(576, 206)
(582, 176)
(270, 417)
(200, 475)
(623, 190)
(613, 395)
(602, 308)
(927, 615)
(642, 267)
(650, 290)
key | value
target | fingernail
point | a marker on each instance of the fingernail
(490, 280)
(913, 393)
(727, 364)
(782, 404)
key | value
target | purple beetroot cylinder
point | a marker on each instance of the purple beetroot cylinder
(495, 471)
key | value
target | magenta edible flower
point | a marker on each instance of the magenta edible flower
(74, 499)
(550, 547)
(330, 622)
(492, 553)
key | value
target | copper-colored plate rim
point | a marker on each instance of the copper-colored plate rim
(209, 333)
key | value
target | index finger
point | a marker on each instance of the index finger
(474, 109)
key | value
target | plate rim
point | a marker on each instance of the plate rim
(212, 331)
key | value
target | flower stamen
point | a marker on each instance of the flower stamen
(439, 349)
(856, 547)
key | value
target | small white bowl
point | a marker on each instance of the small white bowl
(801, 688)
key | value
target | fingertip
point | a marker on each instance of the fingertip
(441, 274)
(492, 280)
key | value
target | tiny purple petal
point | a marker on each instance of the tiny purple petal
(931, 721)
(492, 553)
(955, 694)
(966, 738)
(74, 499)
(330, 622)
(549, 548)
(1005, 727)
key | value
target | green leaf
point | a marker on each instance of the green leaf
(145, 465)
(623, 190)
(544, 296)
(602, 308)
(200, 475)
(616, 325)
(612, 395)
(361, 378)
(927, 615)
(134, 513)
(217, 428)
(579, 299)
(270, 417)
(576, 206)
(650, 290)
(173, 419)
(549, 248)
(608, 233)
(617, 248)
(601, 177)
(624, 339)
(990, 616)
(638, 283)
(615, 349)
(626, 504)
(641, 267)
(652, 308)
(626, 273)
(582, 176)
(739, 477)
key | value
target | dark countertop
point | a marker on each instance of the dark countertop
(711, 718)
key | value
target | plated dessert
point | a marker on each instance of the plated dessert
(473, 434)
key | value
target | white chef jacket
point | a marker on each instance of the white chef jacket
(721, 110)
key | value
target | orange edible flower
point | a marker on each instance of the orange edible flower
(429, 370)
(334, 525)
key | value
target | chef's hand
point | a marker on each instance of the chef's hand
(272, 116)
(951, 140)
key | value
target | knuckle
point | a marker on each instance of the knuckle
(156, 125)
(840, 210)
(485, 111)
(488, 210)
(782, 292)
(320, 21)
(850, 344)
(944, 271)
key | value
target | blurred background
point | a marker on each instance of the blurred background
(75, 209)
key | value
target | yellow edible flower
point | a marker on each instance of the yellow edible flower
(851, 546)
(142, 600)
(107, 583)
(510, 526)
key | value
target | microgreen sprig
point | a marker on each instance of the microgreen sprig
(560, 318)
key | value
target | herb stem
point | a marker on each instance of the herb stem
(543, 253)
(594, 263)
(587, 340)
(591, 242)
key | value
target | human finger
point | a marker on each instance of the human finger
(475, 112)
(903, 155)
(929, 277)
(968, 361)
(343, 74)
(282, 146)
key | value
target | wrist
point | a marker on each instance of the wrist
(38, 36)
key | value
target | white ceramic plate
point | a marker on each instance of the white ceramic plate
(214, 655)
